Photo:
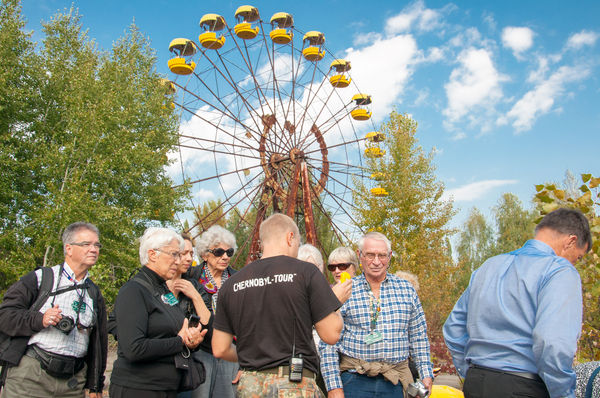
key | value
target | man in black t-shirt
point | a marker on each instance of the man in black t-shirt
(271, 306)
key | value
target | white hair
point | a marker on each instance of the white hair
(343, 254)
(374, 236)
(212, 237)
(155, 238)
(308, 252)
(412, 278)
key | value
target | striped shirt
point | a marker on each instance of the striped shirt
(401, 322)
(51, 339)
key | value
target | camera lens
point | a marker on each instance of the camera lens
(65, 325)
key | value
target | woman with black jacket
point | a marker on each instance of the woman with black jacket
(152, 328)
(215, 247)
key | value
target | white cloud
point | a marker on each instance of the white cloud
(518, 39)
(383, 69)
(361, 39)
(475, 190)
(540, 100)
(414, 15)
(474, 85)
(540, 73)
(583, 38)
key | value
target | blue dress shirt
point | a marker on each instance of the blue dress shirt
(401, 323)
(521, 312)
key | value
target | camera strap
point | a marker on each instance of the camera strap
(294, 339)
(77, 306)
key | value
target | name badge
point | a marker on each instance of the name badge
(373, 337)
(169, 298)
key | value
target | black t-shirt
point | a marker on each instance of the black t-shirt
(271, 303)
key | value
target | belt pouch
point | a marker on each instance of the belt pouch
(55, 366)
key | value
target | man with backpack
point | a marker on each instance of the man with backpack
(55, 319)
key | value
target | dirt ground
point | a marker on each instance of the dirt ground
(442, 379)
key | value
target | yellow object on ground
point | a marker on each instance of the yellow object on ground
(445, 392)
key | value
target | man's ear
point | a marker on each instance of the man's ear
(290, 238)
(570, 241)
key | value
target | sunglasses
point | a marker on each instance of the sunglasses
(341, 266)
(218, 252)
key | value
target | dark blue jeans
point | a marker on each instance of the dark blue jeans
(360, 386)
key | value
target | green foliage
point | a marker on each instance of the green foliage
(476, 242)
(549, 198)
(91, 138)
(514, 224)
(413, 216)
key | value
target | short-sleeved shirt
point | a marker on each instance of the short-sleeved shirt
(271, 304)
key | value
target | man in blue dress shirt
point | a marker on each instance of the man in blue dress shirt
(515, 328)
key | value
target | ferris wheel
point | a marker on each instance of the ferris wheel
(271, 122)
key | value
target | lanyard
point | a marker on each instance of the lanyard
(77, 305)
(375, 309)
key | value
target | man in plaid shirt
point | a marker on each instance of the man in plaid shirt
(384, 324)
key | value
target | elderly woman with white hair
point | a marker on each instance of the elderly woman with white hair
(152, 329)
(342, 259)
(215, 247)
(311, 254)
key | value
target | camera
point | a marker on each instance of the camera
(296, 365)
(193, 321)
(417, 390)
(65, 325)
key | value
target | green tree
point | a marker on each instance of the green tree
(413, 215)
(19, 99)
(97, 150)
(549, 197)
(476, 241)
(514, 224)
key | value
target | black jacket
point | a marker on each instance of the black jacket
(19, 322)
(148, 340)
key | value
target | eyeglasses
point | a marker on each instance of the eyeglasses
(175, 255)
(372, 256)
(341, 266)
(218, 252)
(87, 245)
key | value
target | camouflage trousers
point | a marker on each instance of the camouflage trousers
(257, 385)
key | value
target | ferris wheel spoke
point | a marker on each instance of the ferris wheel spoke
(225, 144)
(218, 176)
(228, 198)
(348, 165)
(303, 142)
(337, 199)
(224, 112)
(336, 230)
(336, 145)
(334, 179)
(250, 109)
(231, 117)
(260, 95)
(212, 150)
(311, 99)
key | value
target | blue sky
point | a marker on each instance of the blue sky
(505, 93)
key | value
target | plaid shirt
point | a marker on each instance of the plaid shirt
(74, 344)
(401, 322)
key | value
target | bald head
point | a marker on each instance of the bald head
(279, 235)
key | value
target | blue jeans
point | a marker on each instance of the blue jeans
(360, 386)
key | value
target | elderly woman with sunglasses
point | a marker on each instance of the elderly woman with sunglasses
(215, 247)
(152, 327)
(340, 260)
